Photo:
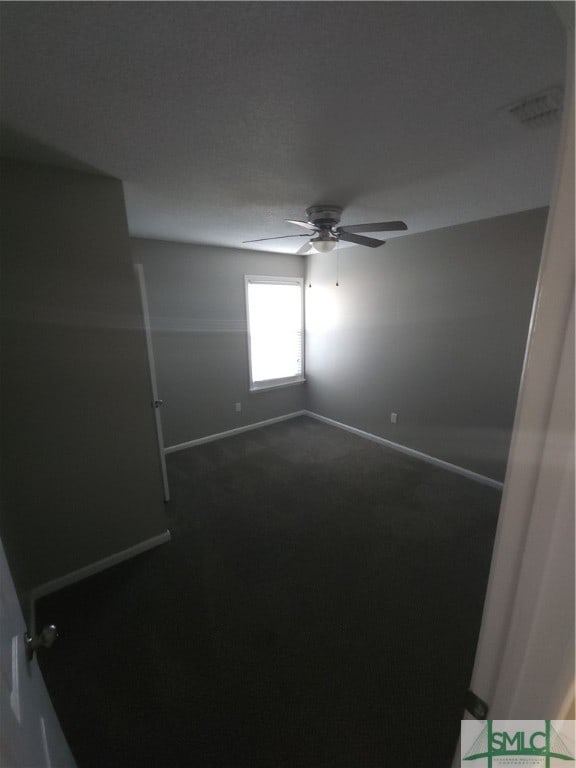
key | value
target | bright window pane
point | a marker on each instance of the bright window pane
(275, 328)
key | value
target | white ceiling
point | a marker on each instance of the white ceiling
(225, 118)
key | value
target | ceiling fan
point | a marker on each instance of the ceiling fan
(322, 220)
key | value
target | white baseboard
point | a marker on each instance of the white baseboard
(90, 570)
(230, 432)
(410, 452)
(360, 432)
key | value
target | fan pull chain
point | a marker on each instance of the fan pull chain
(337, 264)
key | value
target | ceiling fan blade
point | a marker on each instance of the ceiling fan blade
(371, 242)
(381, 226)
(305, 248)
(304, 224)
(280, 237)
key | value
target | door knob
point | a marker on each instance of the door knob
(157, 403)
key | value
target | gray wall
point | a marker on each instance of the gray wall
(80, 468)
(432, 326)
(198, 317)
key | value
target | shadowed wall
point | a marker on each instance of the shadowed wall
(199, 332)
(80, 465)
(433, 327)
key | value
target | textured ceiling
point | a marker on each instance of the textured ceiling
(223, 119)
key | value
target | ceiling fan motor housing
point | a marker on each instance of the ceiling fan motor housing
(324, 216)
(323, 221)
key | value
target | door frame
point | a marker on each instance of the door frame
(518, 672)
(156, 401)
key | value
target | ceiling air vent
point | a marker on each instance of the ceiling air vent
(542, 109)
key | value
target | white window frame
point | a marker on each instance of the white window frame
(258, 386)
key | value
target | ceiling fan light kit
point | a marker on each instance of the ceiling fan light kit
(323, 245)
(323, 220)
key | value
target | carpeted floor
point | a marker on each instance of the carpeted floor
(318, 607)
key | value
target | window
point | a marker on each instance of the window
(275, 311)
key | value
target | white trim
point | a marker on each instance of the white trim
(90, 570)
(411, 452)
(265, 387)
(360, 432)
(153, 380)
(230, 432)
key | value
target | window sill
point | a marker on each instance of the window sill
(267, 385)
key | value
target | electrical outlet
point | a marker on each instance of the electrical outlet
(238, 407)
(394, 417)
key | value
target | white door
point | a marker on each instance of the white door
(30, 734)
(156, 402)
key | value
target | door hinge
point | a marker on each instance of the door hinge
(475, 705)
(45, 639)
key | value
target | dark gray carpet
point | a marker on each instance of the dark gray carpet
(318, 607)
